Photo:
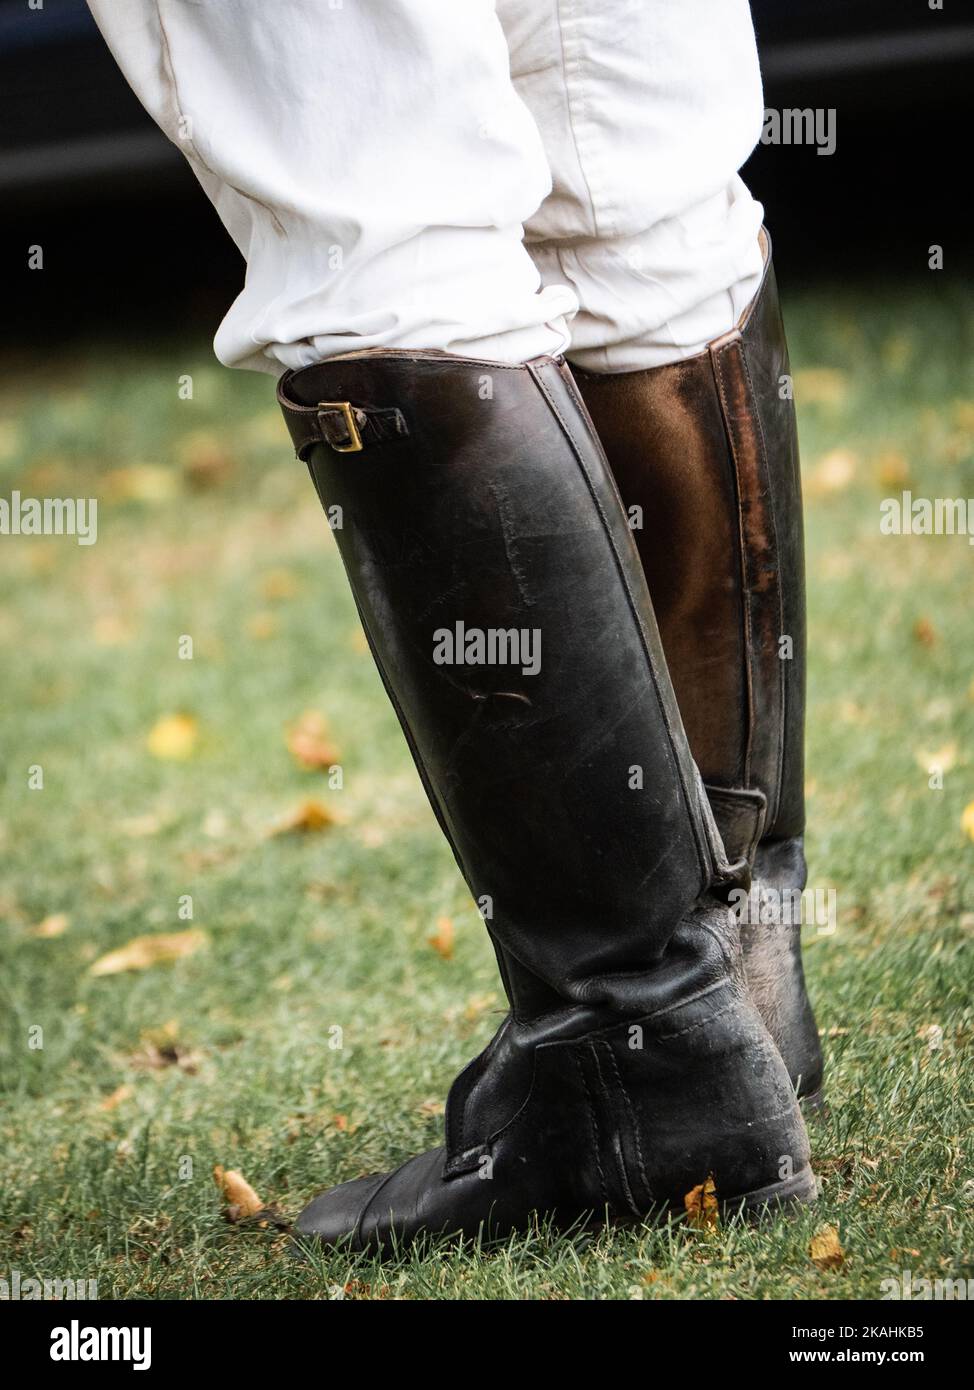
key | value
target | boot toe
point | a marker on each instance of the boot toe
(333, 1216)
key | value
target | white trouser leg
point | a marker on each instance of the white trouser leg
(647, 109)
(370, 159)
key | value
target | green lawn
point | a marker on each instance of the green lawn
(147, 1079)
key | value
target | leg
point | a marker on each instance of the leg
(504, 602)
(371, 162)
(647, 112)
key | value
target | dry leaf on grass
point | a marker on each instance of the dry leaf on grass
(308, 741)
(825, 1249)
(833, 473)
(55, 925)
(144, 951)
(142, 482)
(173, 737)
(701, 1205)
(308, 815)
(442, 939)
(117, 1097)
(967, 820)
(279, 584)
(940, 760)
(925, 633)
(242, 1201)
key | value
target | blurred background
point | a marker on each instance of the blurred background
(85, 172)
(191, 902)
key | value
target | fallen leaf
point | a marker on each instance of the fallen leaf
(442, 939)
(145, 951)
(340, 1122)
(833, 473)
(478, 1004)
(308, 815)
(117, 1097)
(820, 386)
(205, 461)
(140, 827)
(925, 632)
(55, 925)
(308, 741)
(279, 584)
(432, 1107)
(173, 737)
(142, 482)
(262, 626)
(967, 820)
(111, 631)
(941, 760)
(701, 1205)
(892, 469)
(242, 1201)
(825, 1249)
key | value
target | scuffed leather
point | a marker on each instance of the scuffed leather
(496, 508)
(618, 1122)
(707, 448)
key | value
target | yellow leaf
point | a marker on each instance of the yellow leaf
(142, 482)
(308, 741)
(118, 1096)
(173, 737)
(55, 925)
(967, 820)
(834, 472)
(940, 760)
(892, 469)
(307, 815)
(240, 1197)
(144, 951)
(825, 1248)
(442, 939)
(279, 584)
(820, 386)
(111, 631)
(701, 1205)
(262, 626)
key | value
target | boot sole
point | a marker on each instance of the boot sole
(798, 1190)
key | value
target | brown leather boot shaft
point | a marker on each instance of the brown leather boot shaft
(707, 450)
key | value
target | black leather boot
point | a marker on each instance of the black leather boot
(502, 596)
(707, 450)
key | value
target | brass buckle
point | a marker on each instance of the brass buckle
(351, 424)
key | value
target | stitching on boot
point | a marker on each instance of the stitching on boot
(595, 1127)
(637, 1142)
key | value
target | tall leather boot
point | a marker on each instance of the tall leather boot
(502, 597)
(707, 450)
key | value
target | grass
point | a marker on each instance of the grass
(148, 1079)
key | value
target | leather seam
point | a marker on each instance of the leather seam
(595, 1127)
(700, 842)
(779, 740)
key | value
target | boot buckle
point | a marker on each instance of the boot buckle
(354, 442)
